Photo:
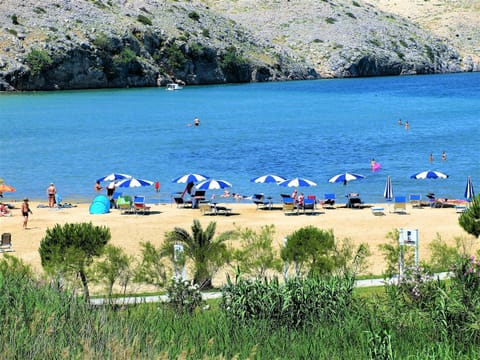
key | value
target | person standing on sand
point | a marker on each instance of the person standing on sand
(51, 191)
(25, 211)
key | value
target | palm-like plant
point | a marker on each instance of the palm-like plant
(207, 252)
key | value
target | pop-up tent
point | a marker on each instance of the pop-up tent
(100, 205)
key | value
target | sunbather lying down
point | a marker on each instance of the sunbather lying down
(444, 202)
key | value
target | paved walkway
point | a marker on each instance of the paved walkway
(217, 295)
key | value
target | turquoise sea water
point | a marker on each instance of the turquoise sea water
(311, 129)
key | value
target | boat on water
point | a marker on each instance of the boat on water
(173, 87)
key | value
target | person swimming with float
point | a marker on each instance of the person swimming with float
(375, 165)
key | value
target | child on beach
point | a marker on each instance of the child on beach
(25, 211)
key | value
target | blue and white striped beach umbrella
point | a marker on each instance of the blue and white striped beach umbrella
(296, 182)
(212, 184)
(269, 178)
(469, 192)
(345, 177)
(132, 182)
(388, 192)
(185, 179)
(429, 174)
(114, 177)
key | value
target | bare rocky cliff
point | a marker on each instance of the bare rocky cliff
(78, 44)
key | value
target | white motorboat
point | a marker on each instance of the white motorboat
(173, 87)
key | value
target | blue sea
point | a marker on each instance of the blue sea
(311, 129)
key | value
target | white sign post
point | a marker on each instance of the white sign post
(407, 237)
(179, 261)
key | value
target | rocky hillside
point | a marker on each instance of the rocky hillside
(74, 44)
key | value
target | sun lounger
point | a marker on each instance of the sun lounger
(328, 201)
(289, 206)
(415, 200)
(400, 205)
(139, 205)
(378, 211)
(261, 202)
(181, 203)
(6, 243)
(354, 201)
(124, 204)
(308, 205)
(460, 208)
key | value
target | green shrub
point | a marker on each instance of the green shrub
(232, 60)
(144, 20)
(175, 57)
(14, 18)
(126, 56)
(311, 250)
(39, 10)
(38, 60)
(356, 3)
(470, 219)
(194, 16)
(298, 302)
(330, 20)
(206, 33)
(12, 31)
(183, 296)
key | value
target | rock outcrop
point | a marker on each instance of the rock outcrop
(53, 44)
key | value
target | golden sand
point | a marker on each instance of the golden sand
(129, 230)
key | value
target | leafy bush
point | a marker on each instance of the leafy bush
(144, 20)
(298, 302)
(194, 16)
(71, 248)
(231, 60)
(330, 20)
(175, 57)
(256, 255)
(418, 287)
(126, 56)
(470, 219)
(206, 33)
(14, 18)
(183, 296)
(311, 250)
(38, 60)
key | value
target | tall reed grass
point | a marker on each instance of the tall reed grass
(41, 322)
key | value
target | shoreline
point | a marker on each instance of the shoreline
(129, 230)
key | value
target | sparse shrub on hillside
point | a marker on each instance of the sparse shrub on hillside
(175, 57)
(232, 60)
(354, 3)
(144, 20)
(39, 10)
(206, 33)
(103, 42)
(15, 19)
(12, 31)
(330, 20)
(194, 16)
(38, 60)
(351, 15)
(126, 56)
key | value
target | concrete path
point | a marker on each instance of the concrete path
(217, 295)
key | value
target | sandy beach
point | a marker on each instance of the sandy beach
(129, 230)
